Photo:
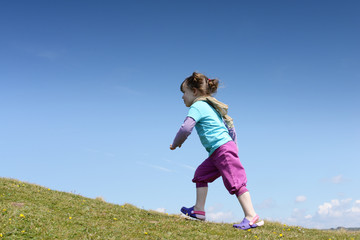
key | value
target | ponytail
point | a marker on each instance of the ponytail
(213, 85)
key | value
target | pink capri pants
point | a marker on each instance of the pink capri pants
(224, 162)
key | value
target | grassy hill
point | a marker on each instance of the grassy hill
(29, 211)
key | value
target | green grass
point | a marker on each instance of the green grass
(30, 211)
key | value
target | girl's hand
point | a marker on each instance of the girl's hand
(173, 148)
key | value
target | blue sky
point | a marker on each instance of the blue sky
(90, 101)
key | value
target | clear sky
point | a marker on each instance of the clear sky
(90, 101)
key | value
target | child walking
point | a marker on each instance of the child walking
(217, 134)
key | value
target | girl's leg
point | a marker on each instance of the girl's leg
(246, 204)
(234, 176)
(201, 193)
(207, 172)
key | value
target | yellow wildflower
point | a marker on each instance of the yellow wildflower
(70, 218)
(115, 219)
(145, 233)
(1, 235)
(22, 216)
(23, 231)
(4, 210)
(280, 235)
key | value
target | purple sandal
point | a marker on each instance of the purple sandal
(200, 215)
(246, 224)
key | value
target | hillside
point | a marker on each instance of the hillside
(31, 211)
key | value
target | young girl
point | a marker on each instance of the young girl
(217, 134)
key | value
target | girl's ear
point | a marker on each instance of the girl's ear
(195, 91)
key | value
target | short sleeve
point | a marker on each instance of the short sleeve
(194, 113)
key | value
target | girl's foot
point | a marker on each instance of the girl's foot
(246, 224)
(194, 214)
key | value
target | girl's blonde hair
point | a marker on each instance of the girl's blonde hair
(203, 84)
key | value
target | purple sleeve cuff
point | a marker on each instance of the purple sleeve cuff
(184, 131)
(232, 134)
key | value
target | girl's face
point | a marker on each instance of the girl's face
(189, 95)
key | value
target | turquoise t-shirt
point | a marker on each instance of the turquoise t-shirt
(209, 126)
